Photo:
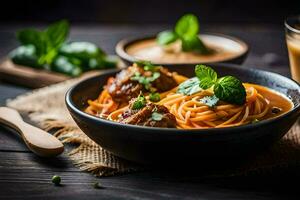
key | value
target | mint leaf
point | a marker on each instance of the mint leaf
(189, 87)
(35, 38)
(206, 75)
(187, 30)
(228, 88)
(210, 101)
(57, 33)
(231, 90)
(194, 44)
(187, 26)
(156, 116)
(45, 42)
(166, 37)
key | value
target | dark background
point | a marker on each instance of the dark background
(146, 11)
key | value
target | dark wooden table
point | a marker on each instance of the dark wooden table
(26, 176)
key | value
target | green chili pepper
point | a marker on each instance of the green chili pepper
(81, 50)
(25, 55)
(66, 65)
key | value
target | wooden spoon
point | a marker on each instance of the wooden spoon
(38, 141)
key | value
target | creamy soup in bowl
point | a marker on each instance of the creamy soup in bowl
(223, 49)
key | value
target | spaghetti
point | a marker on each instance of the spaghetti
(102, 106)
(190, 112)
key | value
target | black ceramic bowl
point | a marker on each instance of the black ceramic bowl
(146, 145)
(225, 41)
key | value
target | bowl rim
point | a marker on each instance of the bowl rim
(122, 45)
(70, 105)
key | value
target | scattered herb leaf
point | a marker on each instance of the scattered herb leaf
(154, 97)
(210, 101)
(147, 65)
(156, 116)
(189, 87)
(139, 102)
(145, 80)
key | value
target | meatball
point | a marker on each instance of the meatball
(124, 87)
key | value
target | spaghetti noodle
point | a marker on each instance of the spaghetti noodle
(190, 112)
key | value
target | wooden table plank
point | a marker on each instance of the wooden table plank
(32, 176)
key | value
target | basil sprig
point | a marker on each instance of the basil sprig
(46, 42)
(186, 30)
(227, 88)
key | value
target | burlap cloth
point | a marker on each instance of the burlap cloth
(46, 108)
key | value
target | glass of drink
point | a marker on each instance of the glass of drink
(292, 32)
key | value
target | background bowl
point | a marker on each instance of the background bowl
(226, 41)
(147, 145)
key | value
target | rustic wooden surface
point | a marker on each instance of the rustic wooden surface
(26, 176)
(27, 76)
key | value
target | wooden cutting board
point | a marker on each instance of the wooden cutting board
(30, 77)
(26, 76)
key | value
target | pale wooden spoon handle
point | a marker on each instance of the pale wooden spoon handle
(37, 140)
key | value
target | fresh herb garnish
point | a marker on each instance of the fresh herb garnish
(154, 97)
(147, 65)
(156, 116)
(189, 87)
(56, 180)
(254, 121)
(231, 90)
(186, 30)
(227, 88)
(210, 101)
(166, 37)
(145, 80)
(139, 103)
(206, 75)
(46, 42)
